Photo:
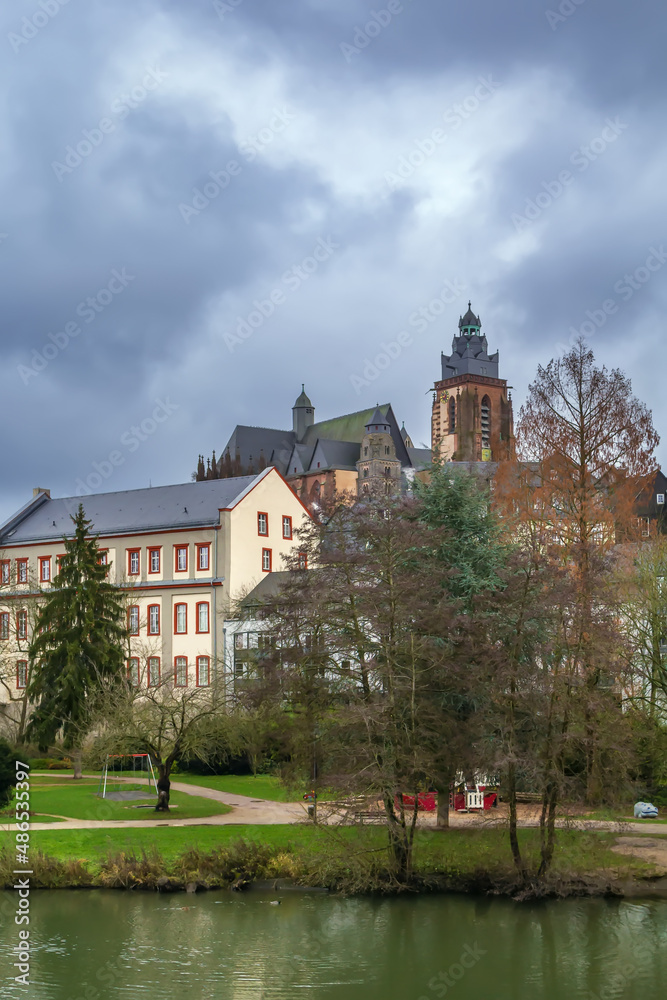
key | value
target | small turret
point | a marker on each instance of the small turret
(303, 415)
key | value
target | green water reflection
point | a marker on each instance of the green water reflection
(113, 945)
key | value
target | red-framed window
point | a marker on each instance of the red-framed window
(4, 625)
(180, 619)
(154, 559)
(287, 526)
(262, 523)
(303, 560)
(21, 570)
(267, 557)
(103, 557)
(203, 617)
(133, 562)
(153, 617)
(21, 673)
(180, 558)
(203, 671)
(5, 571)
(133, 672)
(133, 619)
(203, 556)
(22, 624)
(59, 562)
(153, 672)
(180, 671)
(44, 569)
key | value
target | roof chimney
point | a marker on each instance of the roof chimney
(39, 489)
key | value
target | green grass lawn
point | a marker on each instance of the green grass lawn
(255, 786)
(621, 815)
(59, 795)
(454, 851)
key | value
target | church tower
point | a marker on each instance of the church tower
(378, 468)
(472, 412)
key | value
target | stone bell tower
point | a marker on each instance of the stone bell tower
(378, 468)
(472, 417)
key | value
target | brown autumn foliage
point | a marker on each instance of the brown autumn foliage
(586, 447)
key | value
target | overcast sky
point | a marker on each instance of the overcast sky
(205, 204)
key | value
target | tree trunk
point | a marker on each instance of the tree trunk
(163, 787)
(548, 828)
(514, 839)
(78, 767)
(399, 843)
(442, 816)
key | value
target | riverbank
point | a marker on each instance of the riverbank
(344, 860)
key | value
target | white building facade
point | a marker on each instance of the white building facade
(181, 556)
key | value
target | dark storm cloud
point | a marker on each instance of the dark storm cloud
(227, 138)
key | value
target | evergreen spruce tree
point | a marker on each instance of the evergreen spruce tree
(7, 773)
(472, 544)
(471, 548)
(78, 644)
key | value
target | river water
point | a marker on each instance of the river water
(112, 945)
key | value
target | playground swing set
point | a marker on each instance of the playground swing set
(137, 766)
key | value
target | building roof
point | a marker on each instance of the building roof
(420, 458)
(378, 420)
(251, 443)
(303, 400)
(469, 319)
(270, 585)
(153, 509)
(335, 455)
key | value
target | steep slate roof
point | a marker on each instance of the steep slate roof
(154, 509)
(335, 455)
(470, 357)
(339, 438)
(352, 427)
(469, 319)
(250, 441)
(268, 586)
(303, 400)
(420, 458)
(300, 458)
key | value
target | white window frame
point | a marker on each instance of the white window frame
(153, 619)
(181, 611)
(206, 660)
(151, 679)
(180, 664)
(133, 619)
(203, 613)
(21, 668)
(134, 671)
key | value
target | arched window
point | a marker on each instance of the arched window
(387, 471)
(452, 415)
(486, 422)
